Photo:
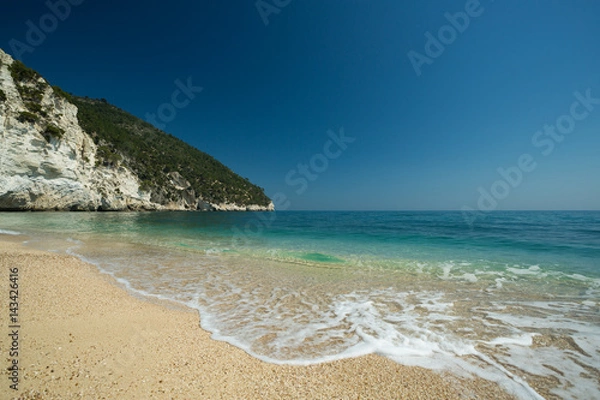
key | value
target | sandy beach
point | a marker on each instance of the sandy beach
(81, 336)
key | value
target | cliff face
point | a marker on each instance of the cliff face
(48, 162)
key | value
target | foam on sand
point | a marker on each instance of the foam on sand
(9, 232)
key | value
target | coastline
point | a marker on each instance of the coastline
(81, 335)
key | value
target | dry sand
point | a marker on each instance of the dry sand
(81, 336)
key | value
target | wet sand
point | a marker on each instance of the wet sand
(82, 336)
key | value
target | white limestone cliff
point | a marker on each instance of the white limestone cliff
(62, 174)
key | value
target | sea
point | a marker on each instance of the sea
(512, 297)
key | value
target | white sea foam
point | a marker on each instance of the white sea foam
(578, 277)
(9, 232)
(403, 336)
(469, 277)
(210, 252)
(525, 339)
(533, 270)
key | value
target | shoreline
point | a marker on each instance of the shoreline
(82, 335)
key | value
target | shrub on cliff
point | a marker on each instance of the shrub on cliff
(21, 73)
(26, 116)
(35, 108)
(53, 131)
(61, 93)
(29, 86)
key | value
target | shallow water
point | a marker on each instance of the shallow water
(514, 298)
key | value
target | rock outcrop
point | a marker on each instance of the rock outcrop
(48, 162)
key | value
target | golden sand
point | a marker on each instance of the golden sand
(82, 336)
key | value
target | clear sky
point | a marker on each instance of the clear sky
(271, 92)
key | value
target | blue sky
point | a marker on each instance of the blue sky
(272, 92)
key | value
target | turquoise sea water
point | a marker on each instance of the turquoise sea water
(515, 298)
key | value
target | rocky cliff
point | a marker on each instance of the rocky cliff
(49, 161)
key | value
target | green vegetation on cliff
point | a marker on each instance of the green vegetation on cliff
(31, 89)
(152, 154)
(28, 84)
